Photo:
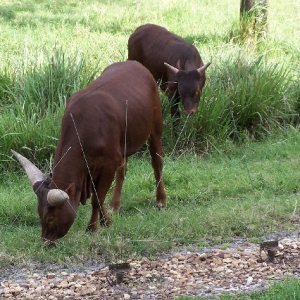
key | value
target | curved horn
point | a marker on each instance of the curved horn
(203, 68)
(173, 69)
(33, 173)
(57, 197)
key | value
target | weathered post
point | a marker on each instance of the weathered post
(253, 18)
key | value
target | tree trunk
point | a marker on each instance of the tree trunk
(253, 17)
(246, 6)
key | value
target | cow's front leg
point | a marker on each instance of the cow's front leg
(92, 226)
(102, 185)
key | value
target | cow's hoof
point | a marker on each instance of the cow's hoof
(105, 222)
(91, 228)
(49, 244)
(114, 210)
(159, 206)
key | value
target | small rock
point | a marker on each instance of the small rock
(50, 275)
(249, 280)
(203, 256)
(219, 269)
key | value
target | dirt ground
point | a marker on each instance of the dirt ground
(243, 267)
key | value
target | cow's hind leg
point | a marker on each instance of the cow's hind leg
(115, 203)
(156, 153)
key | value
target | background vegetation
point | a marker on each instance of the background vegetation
(234, 171)
(50, 50)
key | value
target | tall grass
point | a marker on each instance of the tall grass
(47, 80)
(36, 101)
(246, 97)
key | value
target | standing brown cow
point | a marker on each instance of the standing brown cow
(102, 125)
(173, 61)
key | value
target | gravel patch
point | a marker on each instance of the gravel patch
(209, 272)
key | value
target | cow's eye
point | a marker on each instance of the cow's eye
(50, 220)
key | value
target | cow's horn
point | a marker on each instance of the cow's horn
(57, 197)
(175, 70)
(203, 68)
(33, 173)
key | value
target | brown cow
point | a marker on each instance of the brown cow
(102, 125)
(173, 61)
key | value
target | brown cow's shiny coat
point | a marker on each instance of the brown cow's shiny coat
(102, 125)
(153, 46)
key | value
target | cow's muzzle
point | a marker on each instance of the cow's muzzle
(189, 112)
(49, 243)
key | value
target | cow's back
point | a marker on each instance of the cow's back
(153, 45)
(122, 104)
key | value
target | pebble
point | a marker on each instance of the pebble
(50, 275)
(191, 274)
(249, 280)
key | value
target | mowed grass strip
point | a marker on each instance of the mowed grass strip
(244, 191)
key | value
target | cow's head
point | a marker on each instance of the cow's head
(189, 85)
(54, 205)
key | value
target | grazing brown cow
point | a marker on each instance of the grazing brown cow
(102, 125)
(173, 61)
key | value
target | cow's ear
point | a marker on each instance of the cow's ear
(70, 190)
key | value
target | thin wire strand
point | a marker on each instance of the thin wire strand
(89, 171)
(179, 135)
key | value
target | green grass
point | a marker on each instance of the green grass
(246, 99)
(288, 289)
(234, 172)
(245, 191)
(251, 88)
